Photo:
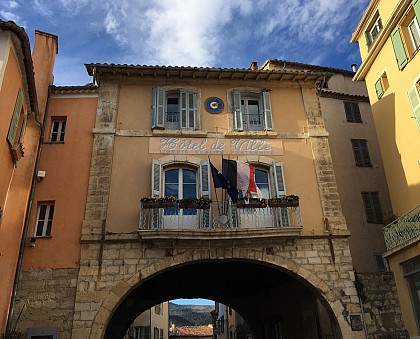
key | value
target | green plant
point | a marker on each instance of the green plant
(158, 199)
(389, 217)
(199, 201)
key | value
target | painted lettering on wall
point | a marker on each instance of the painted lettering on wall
(168, 145)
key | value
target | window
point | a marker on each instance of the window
(44, 220)
(411, 270)
(159, 309)
(352, 111)
(17, 129)
(42, 333)
(381, 85)
(380, 265)
(414, 99)
(182, 182)
(373, 30)
(158, 333)
(413, 28)
(58, 129)
(373, 208)
(174, 109)
(141, 332)
(251, 111)
(361, 152)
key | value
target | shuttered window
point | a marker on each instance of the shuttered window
(352, 112)
(251, 111)
(373, 30)
(414, 98)
(373, 207)
(174, 109)
(378, 88)
(361, 152)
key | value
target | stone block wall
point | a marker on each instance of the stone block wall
(382, 311)
(46, 298)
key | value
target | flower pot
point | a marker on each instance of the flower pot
(194, 204)
(253, 203)
(157, 204)
(283, 202)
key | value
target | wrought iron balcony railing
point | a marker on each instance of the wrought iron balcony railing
(403, 229)
(219, 216)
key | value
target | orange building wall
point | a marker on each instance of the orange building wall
(14, 186)
(67, 166)
(131, 158)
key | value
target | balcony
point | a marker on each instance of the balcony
(404, 230)
(220, 221)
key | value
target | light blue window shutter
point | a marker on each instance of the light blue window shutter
(158, 107)
(192, 110)
(378, 88)
(205, 191)
(11, 136)
(237, 113)
(279, 178)
(413, 96)
(268, 118)
(282, 213)
(416, 6)
(188, 109)
(156, 192)
(184, 109)
(399, 48)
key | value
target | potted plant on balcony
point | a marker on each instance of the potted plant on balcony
(198, 203)
(284, 201)
(158, 202)
(253, 203)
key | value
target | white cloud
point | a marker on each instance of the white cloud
(12, 4)
(11, 16)
(42, 8)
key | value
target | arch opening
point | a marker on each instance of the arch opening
(272, 301)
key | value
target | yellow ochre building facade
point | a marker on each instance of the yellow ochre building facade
(389, 40)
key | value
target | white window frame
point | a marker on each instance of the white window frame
(414, 22)
(62, 122)
(377, 26)
(44, 221)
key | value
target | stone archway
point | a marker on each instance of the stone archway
(122, 291)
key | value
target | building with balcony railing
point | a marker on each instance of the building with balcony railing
(388, 39)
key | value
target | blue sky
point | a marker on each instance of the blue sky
(210, 33)
(196, 301)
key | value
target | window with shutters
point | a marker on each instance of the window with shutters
(251, 110)
(414, 99)
(373, 30)
(406, 36)
(352, 111)
(58, 129)
(381, 85)
(174, 109)
(181, 182)
(141, 332)
(361, 152)
(373, 207)
(44, 220)
(17, 128)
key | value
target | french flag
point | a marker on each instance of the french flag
(241, 175)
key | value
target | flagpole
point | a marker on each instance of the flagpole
(215, 192)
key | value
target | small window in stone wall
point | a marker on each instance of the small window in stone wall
(42, 333)
(380, 264)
